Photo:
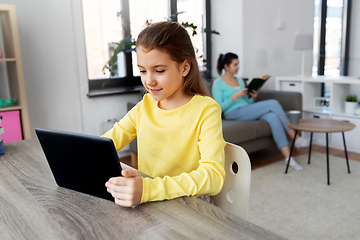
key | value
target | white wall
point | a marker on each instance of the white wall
(249, 29)
(227, 18)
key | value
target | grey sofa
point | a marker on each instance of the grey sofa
(251, 135)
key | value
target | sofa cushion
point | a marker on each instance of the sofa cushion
(288, 100)
(243, 131)
(262, 129)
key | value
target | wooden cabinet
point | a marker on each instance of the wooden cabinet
(333, 107)
(352, 137)
(11, 74)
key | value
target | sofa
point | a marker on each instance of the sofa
(251, 135)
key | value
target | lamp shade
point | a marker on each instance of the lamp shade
(303, 42)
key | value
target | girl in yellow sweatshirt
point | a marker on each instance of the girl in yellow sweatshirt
(178, 127)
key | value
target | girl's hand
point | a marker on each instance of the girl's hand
(239, 94)
(254, 94)
(126, 190)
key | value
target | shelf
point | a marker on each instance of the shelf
(7, 59)
(13, 84)
(340, 88)
(312, 110)
(16, 107)
(327, 112)
(342, 114)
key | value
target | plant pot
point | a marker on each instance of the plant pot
(350, 107)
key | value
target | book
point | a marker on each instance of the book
(256, 83)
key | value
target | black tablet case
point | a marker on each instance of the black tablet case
(80, 162)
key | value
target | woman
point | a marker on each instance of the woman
(232, 95)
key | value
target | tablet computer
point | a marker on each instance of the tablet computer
(80, 162)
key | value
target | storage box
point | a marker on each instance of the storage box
(291, 86)
(10, 121)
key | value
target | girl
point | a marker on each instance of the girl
(230, 92)
(177, 125)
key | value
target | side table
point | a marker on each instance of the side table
(321, 126)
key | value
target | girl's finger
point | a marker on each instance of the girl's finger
(130, 173)
(117, 188)
(122, 202)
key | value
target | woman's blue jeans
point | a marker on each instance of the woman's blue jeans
(269, 111)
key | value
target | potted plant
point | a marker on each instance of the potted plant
(350, 104)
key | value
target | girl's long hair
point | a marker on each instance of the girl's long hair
(173, 38)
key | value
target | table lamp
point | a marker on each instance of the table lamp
(303, 42)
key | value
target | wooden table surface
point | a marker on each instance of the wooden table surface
(321, 125)
(32, 206)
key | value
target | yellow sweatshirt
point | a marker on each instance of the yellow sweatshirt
(182, 149)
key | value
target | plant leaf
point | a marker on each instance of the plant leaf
(207, 30)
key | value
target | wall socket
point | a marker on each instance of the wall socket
(106, 125)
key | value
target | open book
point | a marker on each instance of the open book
(256, 83)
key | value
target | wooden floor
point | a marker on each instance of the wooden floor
(127, 161)
(271, 155)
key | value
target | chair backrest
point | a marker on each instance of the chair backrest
(234, 197)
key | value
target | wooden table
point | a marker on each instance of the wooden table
(321, 126)
(32, 206)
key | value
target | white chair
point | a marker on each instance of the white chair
(234, 197)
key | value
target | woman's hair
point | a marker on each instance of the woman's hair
(173, 38)
(225, 60)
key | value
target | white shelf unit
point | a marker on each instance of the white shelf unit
(340, 87)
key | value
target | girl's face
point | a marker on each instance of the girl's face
(233, 67)
(162, 77)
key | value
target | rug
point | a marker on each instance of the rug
(300, 205)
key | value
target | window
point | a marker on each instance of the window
(142, 12)
(331, 39)
(102, 27)
(107, 22)
(192, 11)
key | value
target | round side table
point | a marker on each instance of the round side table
(321, 126)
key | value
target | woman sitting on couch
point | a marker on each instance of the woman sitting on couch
(232, 95)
